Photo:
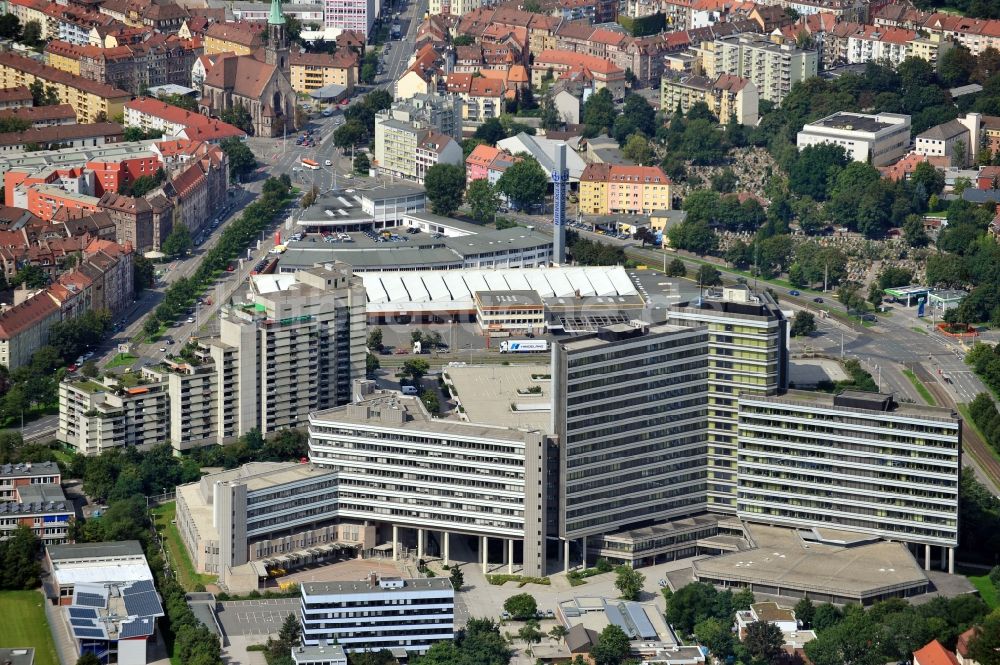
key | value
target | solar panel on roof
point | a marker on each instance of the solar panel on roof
(89, 599)
(139, 627)
(145, 603)
(141, 585)
(90, 632)
(83, 623)
(83, 612)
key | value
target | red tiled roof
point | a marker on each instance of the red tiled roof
(934, 654)
(40, 113)
(342, 59)
(245, 34)
(37, 69)
(30, 313)
(482, 155)
(571, 59)
(18, 93)
(57, 133)
(651, 175)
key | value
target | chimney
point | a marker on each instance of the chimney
(560, 178)
(373, 579)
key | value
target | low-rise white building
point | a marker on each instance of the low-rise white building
(959, 140)
(876, 139)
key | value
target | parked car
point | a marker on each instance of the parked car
(819, 300)
(793, 292)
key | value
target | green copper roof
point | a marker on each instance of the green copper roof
(276, 17)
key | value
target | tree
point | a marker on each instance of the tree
(457, 578)
(599, 112)
(826, 616)
(612, 646)
(89, 369)
(88, 658)
(549, 117)
(31, 35)
(763, 640)
(629, 582)
(31, 277)
(10, 27)
(482, 199)
(709, 276)
(724, 181)
(241, 159)
(956, 66)
(959, 152)
(238, 116)
(814, 168)
(352, 133)
(490, 131)
(693, 236)
(743, 599)
(372, 365)
(804, 324)
(290, 631)
(529, 632)
(309, 198)
(375, 339)
(913, 231)
(676, 268)
(984, 647)
(416, 368)
(637, 149)
(716, 636)
(361, 163)
(178, 243)
(524, 183)
(431, 402)
(521, 606)
(805, 611)
(445, 185)
(462, 40)
(850, 297)
(639, 114)
(21, 570)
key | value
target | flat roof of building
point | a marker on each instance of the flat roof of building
(18, 656)
(784, 559)
(827, 400)
(615, 333)
(487, 391)
(853, 122)
(325, 654)
(363, 587)
(508, 298)
(75, 551)
(28, 469)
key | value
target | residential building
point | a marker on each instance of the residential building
(856, 461)
(42, 508)
(98, 415)
(133, 218)
(241, 38)
(483, 98)
(728, 96)
(163, 16)
(453, 7)
(16, 98)
(876, 139)
(355, 15)
(477, 164)
(441, 113)
(559, 63)
(238, 522)
(378, 613)
(407, 150)
(616, 189)
(931, 48)
(62, 135)
(24, 328)
(773, 68)
(962, 654)
(16, 476)
(959, 140)
(93, 102)
(311, 71)
(748, 355)
(624, 460)
(153, 115)
(424, 73)
(42, 116)
(934, 653)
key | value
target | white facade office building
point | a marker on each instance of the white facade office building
(629, 412)
(875, 139)
(855, 461)
(378, 613)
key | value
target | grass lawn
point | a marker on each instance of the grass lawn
(922, 331)
(986, 590)
(24, 625)
(921, 388)
(179, 559)
(121, 360)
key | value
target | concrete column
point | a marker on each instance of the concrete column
(510, 556)
(420, 543)
(395, 542)
(447, 559)
(583, 547)
(566, 556)
(484, 546)
(944, 558)
(951, 560)
(927, 557)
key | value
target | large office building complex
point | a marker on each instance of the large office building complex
(748, 355)
(378, 613)
(856, 461)
(629, 411)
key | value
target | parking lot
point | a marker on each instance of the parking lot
(258, 618)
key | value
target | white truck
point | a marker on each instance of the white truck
(524, 346)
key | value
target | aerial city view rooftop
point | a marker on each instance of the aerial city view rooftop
(507, 332)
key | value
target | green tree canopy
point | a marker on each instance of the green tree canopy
(524, 183)
(445, 185)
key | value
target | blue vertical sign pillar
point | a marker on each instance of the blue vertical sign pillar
(560, 178)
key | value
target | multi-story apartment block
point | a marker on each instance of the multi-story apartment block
(615, 189)
(261, 511)
(378, 613)
(241, 38)
(200, 410)
(453, 7)
(407, 150)
(556, 63)
(312, 71)
(152, 114)
(856, 461)
(400, 468)
(748, 355)
(728, 96)
(626, 458)
(42, 508)
(95, 416)
(876, 139)
(16, 476)
(93, 101)
(482, 98)
(439, 112)
(773, 68)
(15, 98)
(356, 15)
(24, 328)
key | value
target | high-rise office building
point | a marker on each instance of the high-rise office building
(629, 411)
(358, 15)
(747, 354)
(856, 461)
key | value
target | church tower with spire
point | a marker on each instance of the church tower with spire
(276, 51)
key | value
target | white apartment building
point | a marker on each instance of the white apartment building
(359, 15)
(773, 68)
(453, 7)
(439, 112)
(407, 150)
(629, 412)
(960, 140)
(95, 416)
(856, 461)
(876, 139)
(400, 468)
(748, 354)
(378, 613)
